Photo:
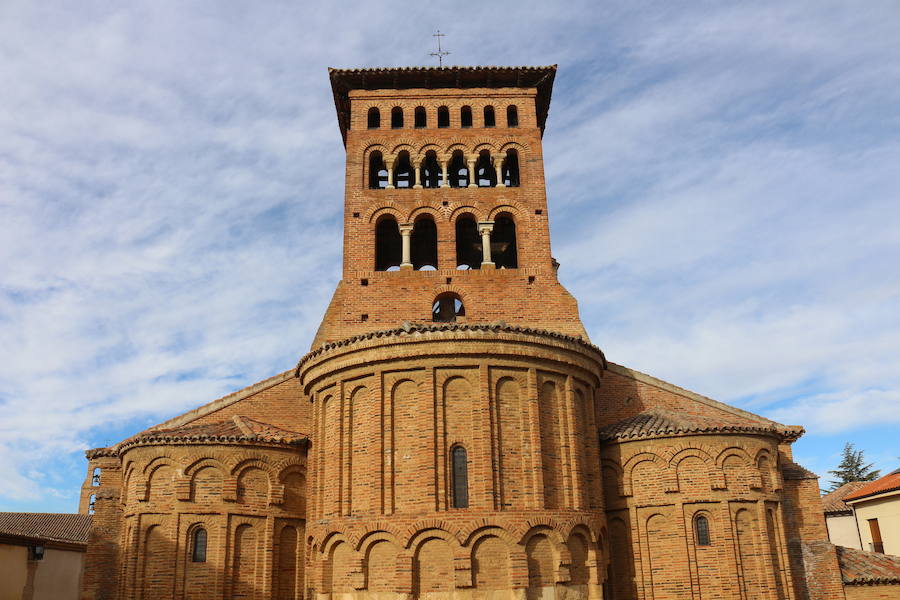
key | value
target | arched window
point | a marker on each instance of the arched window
(92, 503)
(465, 116)
(378, 175)
(503, 243)
(374, 118)
(420, 118)
(198, 545)
(443, 117)
(485, 175)
(468, 243)
(95, 477)
(511, 169)
(388, 244)
(447, 307)
(460, 472)
(423, 245)
(396, 117)
(512, 116)
(403, 171)
(459, 171)
(431, 170)
(701, 530)
(489, 119)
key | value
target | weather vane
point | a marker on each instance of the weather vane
(441, 53)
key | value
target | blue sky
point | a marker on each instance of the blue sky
(723, 182)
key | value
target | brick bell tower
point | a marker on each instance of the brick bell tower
(454, 389)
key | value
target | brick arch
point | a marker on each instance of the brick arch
(691, 452)
(428, 146)
(764, 452)
(381, 532)
(333, 538)
(479, 528)
(202, 463)
(517, 146)
(384, 209)
(379, 146)
(510, 206)
(452, 289)
(431, 209)
(465, 208)
(291, 468)
(734, 451)
(480, 145)
(546, 525)
(457, 145)
(258, 462)
(420, 531)
(584, 525)
(404, 144)
(165, 459)
(634, 461)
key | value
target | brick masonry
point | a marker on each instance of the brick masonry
(337, 480)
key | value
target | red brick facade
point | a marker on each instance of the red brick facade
(480, 448)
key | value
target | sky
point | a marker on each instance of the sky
(723, 184)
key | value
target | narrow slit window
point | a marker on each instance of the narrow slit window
(512, 116)
(443, 117)
(95, 478)
(701, 529)
(374, 118)
(198, 546)
(460, 472)
(490, 119)
(396, 118)
(465, 116)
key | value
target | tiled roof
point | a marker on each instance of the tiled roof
(234, 430)
(344, 80)
(888, 483)
(868, 568)
(58, 527)
(791, 470)
(833, 502)
(659, 422)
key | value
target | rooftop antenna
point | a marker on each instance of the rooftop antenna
(441, 53)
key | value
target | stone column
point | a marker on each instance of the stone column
(406, 236)
(472, 175)
(485, 228)
(417, 183)
(445, 173)
(389, 165)
(498, 166)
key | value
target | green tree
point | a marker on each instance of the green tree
(852, 467)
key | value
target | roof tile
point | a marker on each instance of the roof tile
(61, 527)
(833, 502)
(888, 483)
(861, 568)
(658, 421)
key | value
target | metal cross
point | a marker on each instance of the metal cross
(441, 53)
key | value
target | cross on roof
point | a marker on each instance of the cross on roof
(441, 53)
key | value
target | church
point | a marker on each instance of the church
(452, 433)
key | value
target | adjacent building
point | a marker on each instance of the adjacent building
(876, 507)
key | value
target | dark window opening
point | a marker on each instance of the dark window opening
(485, 174)
(468, 243)
(489, 119)
(374, 118)
(388, 244)
(95, 477)
(378, 174)
(512, 116)
(465, 116)
(459, 171)
(396, 117)
(447, 307)
(443, 117)
(198, 545)
(701, 529)
(92, 503)
(403, 172)
(36, 552)
(503, 243)
(420, 118)
(431, 171)
(511, 169)
(423, 245)
(460, 470)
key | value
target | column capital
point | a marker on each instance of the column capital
(406, 228)
(485, 227)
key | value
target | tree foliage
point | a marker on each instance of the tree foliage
(852, 467)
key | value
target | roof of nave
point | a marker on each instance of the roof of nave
(54, 527)
(237, 429)
(662, 422)
(833, 502)
(868, 568)
(344, 80)
(888, 483)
